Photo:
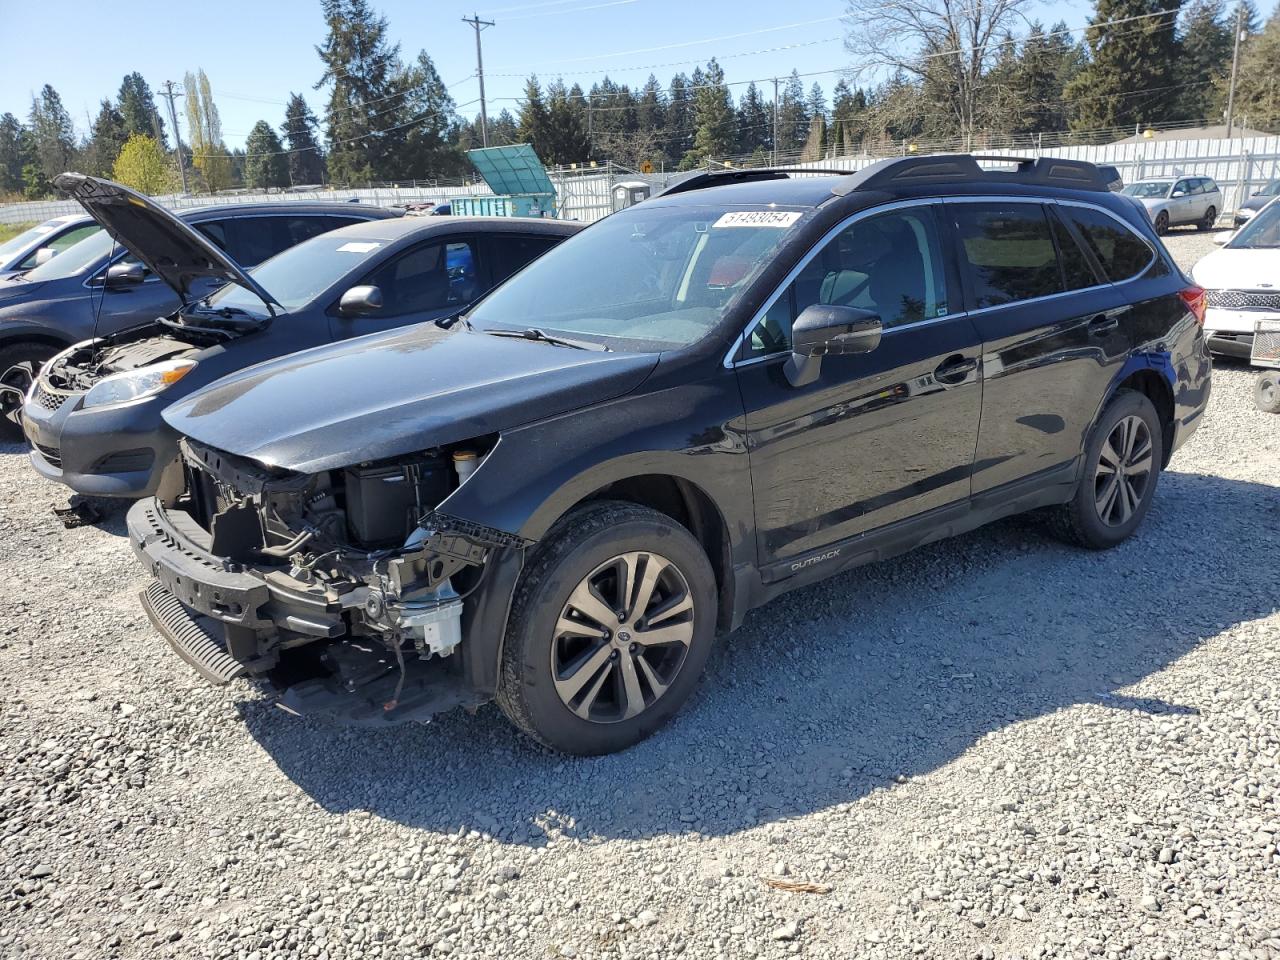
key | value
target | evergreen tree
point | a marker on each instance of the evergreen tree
(53, 136)
(534, 126)
(364, 70)
(138, 108)
(1131, 73)
(1206, 58)
(305, 161)
(264, 164)
(12, 150)
(651, 107)
(848, 109)
(429, 138)
(713, 111)
(106, 140)
(567, 140)
(680, 125)
(754, 122)
(793, 117)
(503, 130)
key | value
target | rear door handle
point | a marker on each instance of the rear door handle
(1103, 323)
(955, 369)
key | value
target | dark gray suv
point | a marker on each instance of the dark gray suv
(98, 287)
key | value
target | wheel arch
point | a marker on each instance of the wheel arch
(1154, 382)
(22, 335)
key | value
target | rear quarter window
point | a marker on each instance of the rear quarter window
(1121, 252)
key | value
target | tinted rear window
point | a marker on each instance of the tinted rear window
(1122, 253)
(1009, 251)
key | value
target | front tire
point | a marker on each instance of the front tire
(610, 628)
(1122, 468)
(1210, 218)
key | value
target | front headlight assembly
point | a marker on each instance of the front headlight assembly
(137, 384)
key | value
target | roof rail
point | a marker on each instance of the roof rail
(716, 178)
(956, 167)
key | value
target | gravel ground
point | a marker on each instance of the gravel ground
(994, 747)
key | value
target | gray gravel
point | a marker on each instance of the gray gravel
(994, 747)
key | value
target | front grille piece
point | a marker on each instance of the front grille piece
(190, 637)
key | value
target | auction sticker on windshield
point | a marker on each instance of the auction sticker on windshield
(355, 247)
(757, 218)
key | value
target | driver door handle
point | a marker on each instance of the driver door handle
(954, 369)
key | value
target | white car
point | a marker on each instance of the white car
(1243, 282)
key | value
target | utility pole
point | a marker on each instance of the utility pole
(775, 122)
(170, 96)
(479, 26)
(1235, 63)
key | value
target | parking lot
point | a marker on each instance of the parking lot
(993, 747)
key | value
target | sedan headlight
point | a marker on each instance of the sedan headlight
(137, 384)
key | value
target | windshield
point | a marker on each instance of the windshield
(76, 259)
(651, 277)
(298, 275)
(1150, 190)
(1260, 233)
(27, 237)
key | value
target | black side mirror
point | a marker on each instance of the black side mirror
(828, 329)
(120, 275)
(360, 301)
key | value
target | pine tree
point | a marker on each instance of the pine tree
(534, 125)
(105, 141)
(1131, 73)
(306, 162)
(793, 118)
(265, 165)
(429, 148)
(1206, 59)
(567, 141)
(651, 108)
(754, 122)
(138, 108)
(848, 109)
(680, 126)
(12, 149)
(713, 110)
(363, 111)
(52, 134)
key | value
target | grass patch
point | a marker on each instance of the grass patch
(10, 230)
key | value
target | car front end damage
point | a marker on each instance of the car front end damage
(344, 591)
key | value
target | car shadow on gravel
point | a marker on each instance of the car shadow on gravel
(839, 689)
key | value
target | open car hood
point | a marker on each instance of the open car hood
(173, 251)
(397, 392)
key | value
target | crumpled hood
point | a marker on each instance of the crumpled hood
(395, 393)
(1228, 269)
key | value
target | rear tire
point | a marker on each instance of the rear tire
(579, 674)
(1121, 469)
(1210, 218)
(1162, 223)
(1266, 391)
(19, 365)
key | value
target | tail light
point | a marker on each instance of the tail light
(1196, 300)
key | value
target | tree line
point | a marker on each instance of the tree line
(928, 71)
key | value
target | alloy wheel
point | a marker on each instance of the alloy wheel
(1123, 472)
(622, 637)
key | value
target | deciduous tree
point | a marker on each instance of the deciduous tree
(142, 165)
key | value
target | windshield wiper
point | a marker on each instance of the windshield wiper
(533, 333)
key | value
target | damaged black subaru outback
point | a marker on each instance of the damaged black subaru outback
(745, 385)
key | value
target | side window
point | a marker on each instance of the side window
(890, 264)
(1122, 253)
(216, 231)
(297, 229)
(430, 277)
(1076, 269)
(68, 239)
(1008, 252)
(1210, 185)
(513, 253)
(1182, 187)
(251, 240)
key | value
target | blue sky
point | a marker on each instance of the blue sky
(255, 53)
